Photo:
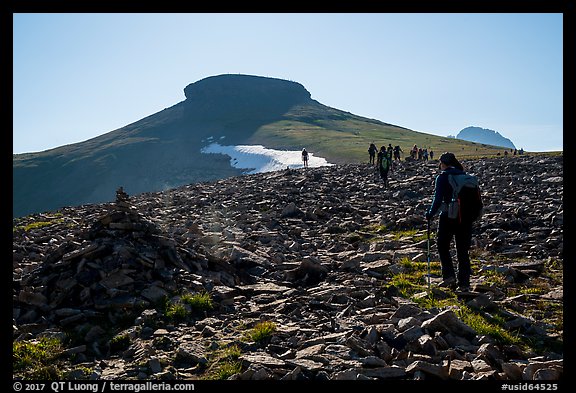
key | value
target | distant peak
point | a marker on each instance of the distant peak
(484, 135)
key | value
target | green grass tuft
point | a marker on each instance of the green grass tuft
(36, 225)
(224, 363)
(199, 301)
(262, 331)
(34, 359)
(484, 327)
(176, 311)
(119, 342)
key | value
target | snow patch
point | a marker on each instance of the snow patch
(258, 159)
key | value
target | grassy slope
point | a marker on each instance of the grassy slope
(163, 151)
(341, 137)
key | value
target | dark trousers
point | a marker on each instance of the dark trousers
(462, 232)
(384, 175)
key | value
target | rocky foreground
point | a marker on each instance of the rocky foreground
(316, 252)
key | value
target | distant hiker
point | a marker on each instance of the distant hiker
(384, 162)
(389, 154)
(305, 157)
(448, 228)
(414, 152)
(431, 154)
(397, 151)
(372, 153)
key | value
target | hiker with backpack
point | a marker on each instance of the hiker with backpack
(389, 155)
(457, 199)
(397, 151)
(372, 152)
(383, 162)
(305, 157)
(414, 152)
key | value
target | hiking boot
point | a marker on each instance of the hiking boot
(448, 283)
(464, 288)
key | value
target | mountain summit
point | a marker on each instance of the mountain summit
(486, 136)
(166, 149)
(243, 96)
(158, 152)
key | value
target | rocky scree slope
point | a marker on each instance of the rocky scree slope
(313, 251)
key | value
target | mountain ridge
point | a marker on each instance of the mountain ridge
(163, 150)
(484, 135)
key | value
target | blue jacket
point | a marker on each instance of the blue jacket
(442, 190)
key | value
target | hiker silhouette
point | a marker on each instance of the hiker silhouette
(372, 153)
(449, 228)
(383, 162)
(305, 157)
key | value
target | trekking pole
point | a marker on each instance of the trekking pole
(428, 233)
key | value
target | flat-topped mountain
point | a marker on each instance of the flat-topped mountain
(243, 97)
(164, 150)
(158, 152)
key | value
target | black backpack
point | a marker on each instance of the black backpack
(466, 203)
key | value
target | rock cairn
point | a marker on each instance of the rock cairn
(298, 248)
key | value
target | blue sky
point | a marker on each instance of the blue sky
(80, 75)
